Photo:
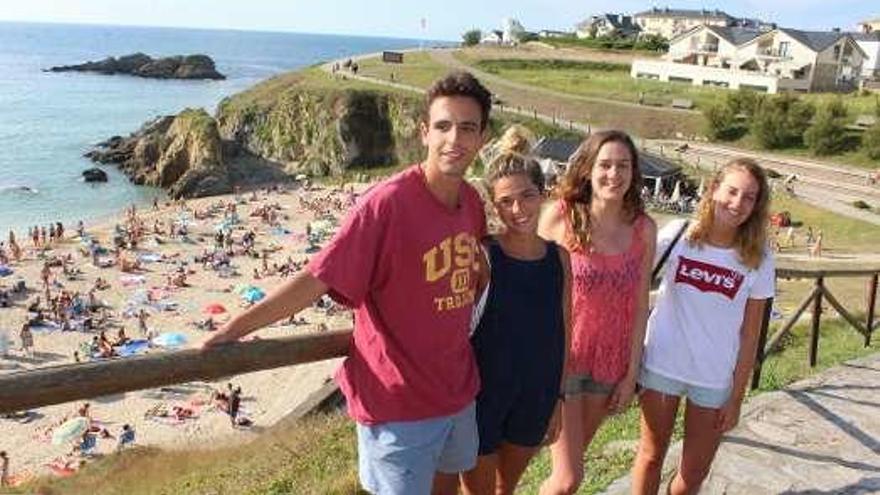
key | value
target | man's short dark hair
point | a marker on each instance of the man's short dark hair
(461, 83)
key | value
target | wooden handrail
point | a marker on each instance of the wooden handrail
(64, 383)
(804, 273)
(816, 296)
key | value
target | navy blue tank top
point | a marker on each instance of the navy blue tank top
(520, 339)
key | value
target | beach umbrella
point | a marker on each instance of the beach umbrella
(214, 309)
(70, 430)
(169, 339)
(676, 192)
(5, 271)
(253, 294)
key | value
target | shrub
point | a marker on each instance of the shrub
(721, 122)
(780, 121)
(827, 134)
(871, 142)
(861, 205)
(652, 42)
(745, 101)
(471, 37)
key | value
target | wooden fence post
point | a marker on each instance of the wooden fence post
(762, 341)
(817, 317)
(872, 301)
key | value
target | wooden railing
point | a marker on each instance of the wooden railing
(59, 384)
(819, 293)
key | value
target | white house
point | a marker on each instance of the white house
(670, 23)
(870, 44)
(870, 25)
(607, 25)
(774, 60)
(493, 37)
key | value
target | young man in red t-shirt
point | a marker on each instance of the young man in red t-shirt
(406, 260)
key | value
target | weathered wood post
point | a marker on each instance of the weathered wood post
(817, 318)
(762, 342)
(872, 301)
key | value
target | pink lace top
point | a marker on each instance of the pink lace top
(604, 298)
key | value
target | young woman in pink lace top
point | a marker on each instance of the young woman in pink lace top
(599, 217)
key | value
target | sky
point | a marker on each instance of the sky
(444, 20)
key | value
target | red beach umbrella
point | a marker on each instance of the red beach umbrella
(214, 309)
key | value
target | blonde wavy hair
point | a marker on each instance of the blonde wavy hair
(576, 190)
(751, 237)
(511, 158)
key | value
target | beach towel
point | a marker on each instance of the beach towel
(46, 326)
(131, 280)
(132, 347)
(150, 257)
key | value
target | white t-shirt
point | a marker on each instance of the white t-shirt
(694, 331)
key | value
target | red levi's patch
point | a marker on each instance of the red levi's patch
(708, 278)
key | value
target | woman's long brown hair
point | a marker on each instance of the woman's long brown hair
(576, 190)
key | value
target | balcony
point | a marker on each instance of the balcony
(707, 48)
(774, 53)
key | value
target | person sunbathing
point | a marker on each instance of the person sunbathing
(121, 338)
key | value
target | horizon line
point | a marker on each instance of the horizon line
(214, 28)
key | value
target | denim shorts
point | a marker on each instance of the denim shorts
(576, 384)
(712, 398)
(401, 457)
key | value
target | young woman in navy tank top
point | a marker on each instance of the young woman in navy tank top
(522, 339)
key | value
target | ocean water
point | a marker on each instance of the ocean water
(48, 120)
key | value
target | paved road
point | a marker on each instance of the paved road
(820, 436)
(833, 187)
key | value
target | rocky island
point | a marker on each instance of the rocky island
(141, 65)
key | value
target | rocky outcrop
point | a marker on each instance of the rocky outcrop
(322, 131)
(139, 64)
(94, 175)
(276, 130)
(181, 153)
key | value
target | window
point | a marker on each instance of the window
(784, 47)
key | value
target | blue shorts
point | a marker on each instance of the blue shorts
(401, 457)
(713, 398)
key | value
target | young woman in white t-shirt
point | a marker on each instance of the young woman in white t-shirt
(702, 335)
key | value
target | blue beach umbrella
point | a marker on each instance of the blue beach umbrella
(253, 294)
(170, 339)
(70, 430)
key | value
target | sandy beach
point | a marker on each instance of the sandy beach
(294, 222)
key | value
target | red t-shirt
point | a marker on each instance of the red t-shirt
(408, 266)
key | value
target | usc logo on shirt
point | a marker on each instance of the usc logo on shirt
(708, 278)
(456, 257)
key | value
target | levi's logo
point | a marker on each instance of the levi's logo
(708, 278)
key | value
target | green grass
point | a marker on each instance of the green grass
(595, 80)
(418, 69)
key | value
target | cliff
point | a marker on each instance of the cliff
(141, 65)
(317, 130)
(280, 128)
(181, 153)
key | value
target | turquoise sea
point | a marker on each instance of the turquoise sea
(48, 120)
